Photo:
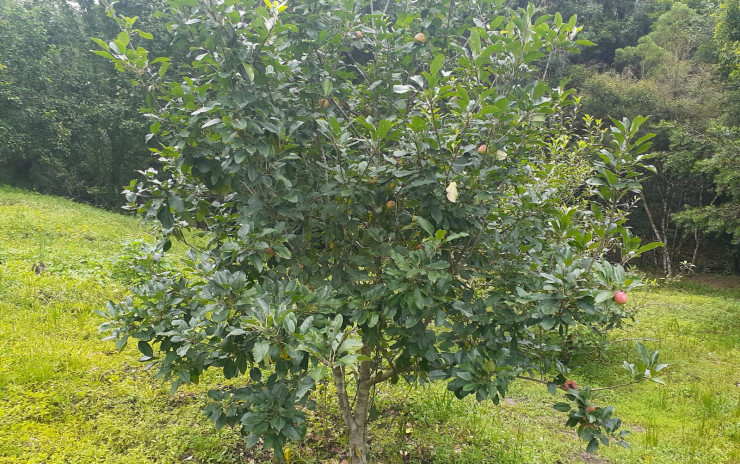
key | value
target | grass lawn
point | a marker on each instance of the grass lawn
(67, 397)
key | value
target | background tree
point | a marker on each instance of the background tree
(69, 124)
(383, 192)
(672, 75)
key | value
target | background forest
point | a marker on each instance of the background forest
(70, 124)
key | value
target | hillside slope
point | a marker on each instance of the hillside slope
(66, 396)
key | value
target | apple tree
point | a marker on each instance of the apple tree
(372, 191)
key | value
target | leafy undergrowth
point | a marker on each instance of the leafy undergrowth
(68, 397)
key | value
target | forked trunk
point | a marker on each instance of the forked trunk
(355, 419)
(355, 422)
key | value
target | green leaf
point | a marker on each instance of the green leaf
(251, 440)
(165, 217)
(121, 343)
(644, 354)
(402, 88)
(211, 122)
(436, 65)
(176, 203)
(648, 247)
(426, 225)
(457, 235)
(122, 40)
(104, 54)
(593, 445)
(549, 323)
(350, 346)
(318, 373)
(261, 350)
(230, 369)
(249, 69)
(624, 444)
(145, 348)
(562, 407)
(604, 296)
(327, 86)
(101, 43)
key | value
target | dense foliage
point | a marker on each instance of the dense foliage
(69, 125)
(681, 74)
(378, 194)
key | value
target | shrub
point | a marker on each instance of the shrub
(354, 230)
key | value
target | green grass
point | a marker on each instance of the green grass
(68, 397)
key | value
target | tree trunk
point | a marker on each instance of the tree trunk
(696, 248)
(664, 238)
(357, 446)
(355, 422)
(355, 419)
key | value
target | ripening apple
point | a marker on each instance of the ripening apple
(570, 384)
(323, 102)
(620, 298)
(391, 204)
(482, 149)
(358, 34)
(420, 38)
(591, 409)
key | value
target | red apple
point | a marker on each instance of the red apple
(620, 298)
(591, 409)
(482, 149)
(570, 384)
(358, 34)
(420, 38)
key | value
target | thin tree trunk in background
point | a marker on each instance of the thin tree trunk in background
(696, 247)
(696, 230)
(664, 223)
(666, 256)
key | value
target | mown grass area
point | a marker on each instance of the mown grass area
(68, 397)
